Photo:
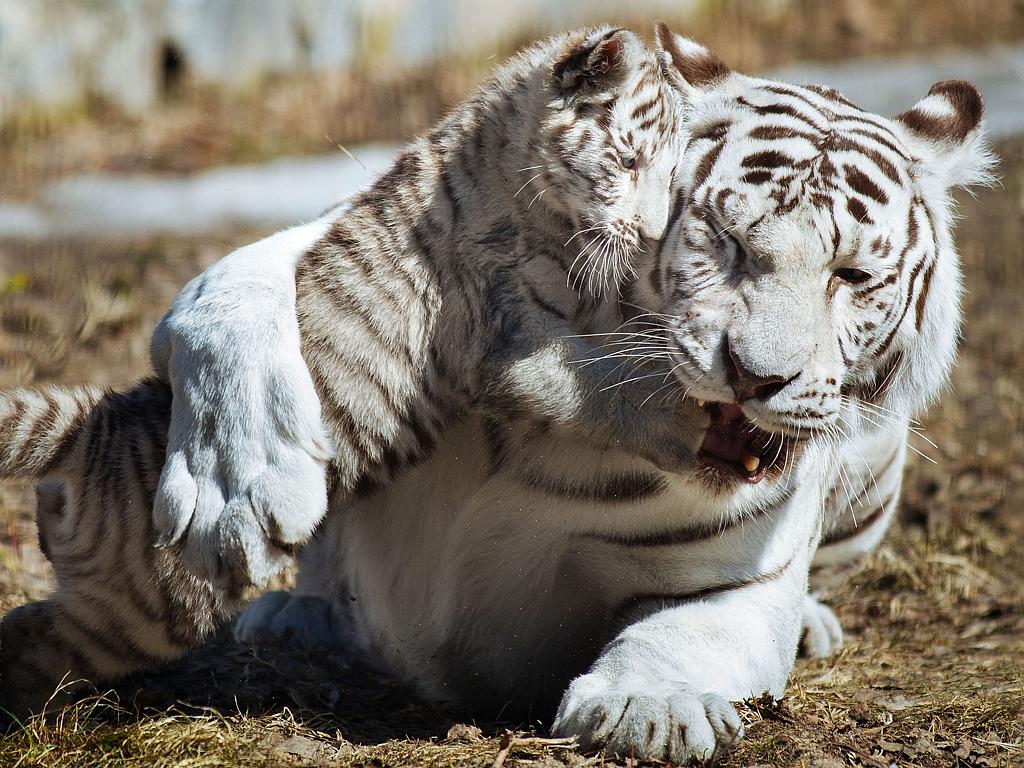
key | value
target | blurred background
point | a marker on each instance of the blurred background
(141, 140)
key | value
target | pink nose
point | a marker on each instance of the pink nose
(749, 385)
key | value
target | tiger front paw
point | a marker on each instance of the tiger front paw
(240, 500)
(245, 480)
(648, 721)
(822, 633)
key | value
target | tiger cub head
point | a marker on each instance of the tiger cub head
(809, 271)
(606, 150)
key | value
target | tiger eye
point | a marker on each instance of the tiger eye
(852, 276)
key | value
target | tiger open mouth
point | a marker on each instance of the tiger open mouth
(735, 447)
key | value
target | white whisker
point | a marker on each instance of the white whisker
(527, 183)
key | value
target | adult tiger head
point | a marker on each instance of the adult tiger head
(809, 271)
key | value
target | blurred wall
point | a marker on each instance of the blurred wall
(128, 52)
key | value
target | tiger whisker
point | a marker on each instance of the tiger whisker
(589, 265)
(614, 356)
(884, 415)
(583, 232)
(630, 381)
(659, 389)
(537, 197)
(528, 182)
(576, 284)
(867, 466)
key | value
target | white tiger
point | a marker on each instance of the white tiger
(434, 291)
(806, 302)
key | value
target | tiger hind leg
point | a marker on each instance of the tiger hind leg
(52, 650)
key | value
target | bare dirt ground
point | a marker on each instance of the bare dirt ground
(933, 671)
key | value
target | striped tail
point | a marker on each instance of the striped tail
(40, 427)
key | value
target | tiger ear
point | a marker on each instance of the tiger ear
(595, 59)
(945, 131)
(687, 65)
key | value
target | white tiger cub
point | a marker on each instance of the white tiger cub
(436, 290)
(807, 298)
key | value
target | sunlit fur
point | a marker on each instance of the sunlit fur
(435, 290)
(524, 570)
(516, 561)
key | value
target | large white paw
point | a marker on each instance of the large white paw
(245, 477)
(822, 633)
(306, 619)
(648, 721)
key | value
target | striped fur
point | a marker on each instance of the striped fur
(436, 290)
(120, 604)
(469, 239)
(518, 568)
(530, 554)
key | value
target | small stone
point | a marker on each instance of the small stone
(301, 746)
(463, 732)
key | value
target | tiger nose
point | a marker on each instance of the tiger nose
(651, 224)
(652, 230)
(749, 385)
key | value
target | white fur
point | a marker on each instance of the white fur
(482, 589)
(247, 451)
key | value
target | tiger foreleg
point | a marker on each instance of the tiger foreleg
(245, 478)
(661, 690)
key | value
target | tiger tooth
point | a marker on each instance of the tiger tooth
(700, 403)
(750, 462)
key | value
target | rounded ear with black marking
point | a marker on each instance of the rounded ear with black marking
(945, 132)
(688, 65)
(598, 59)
